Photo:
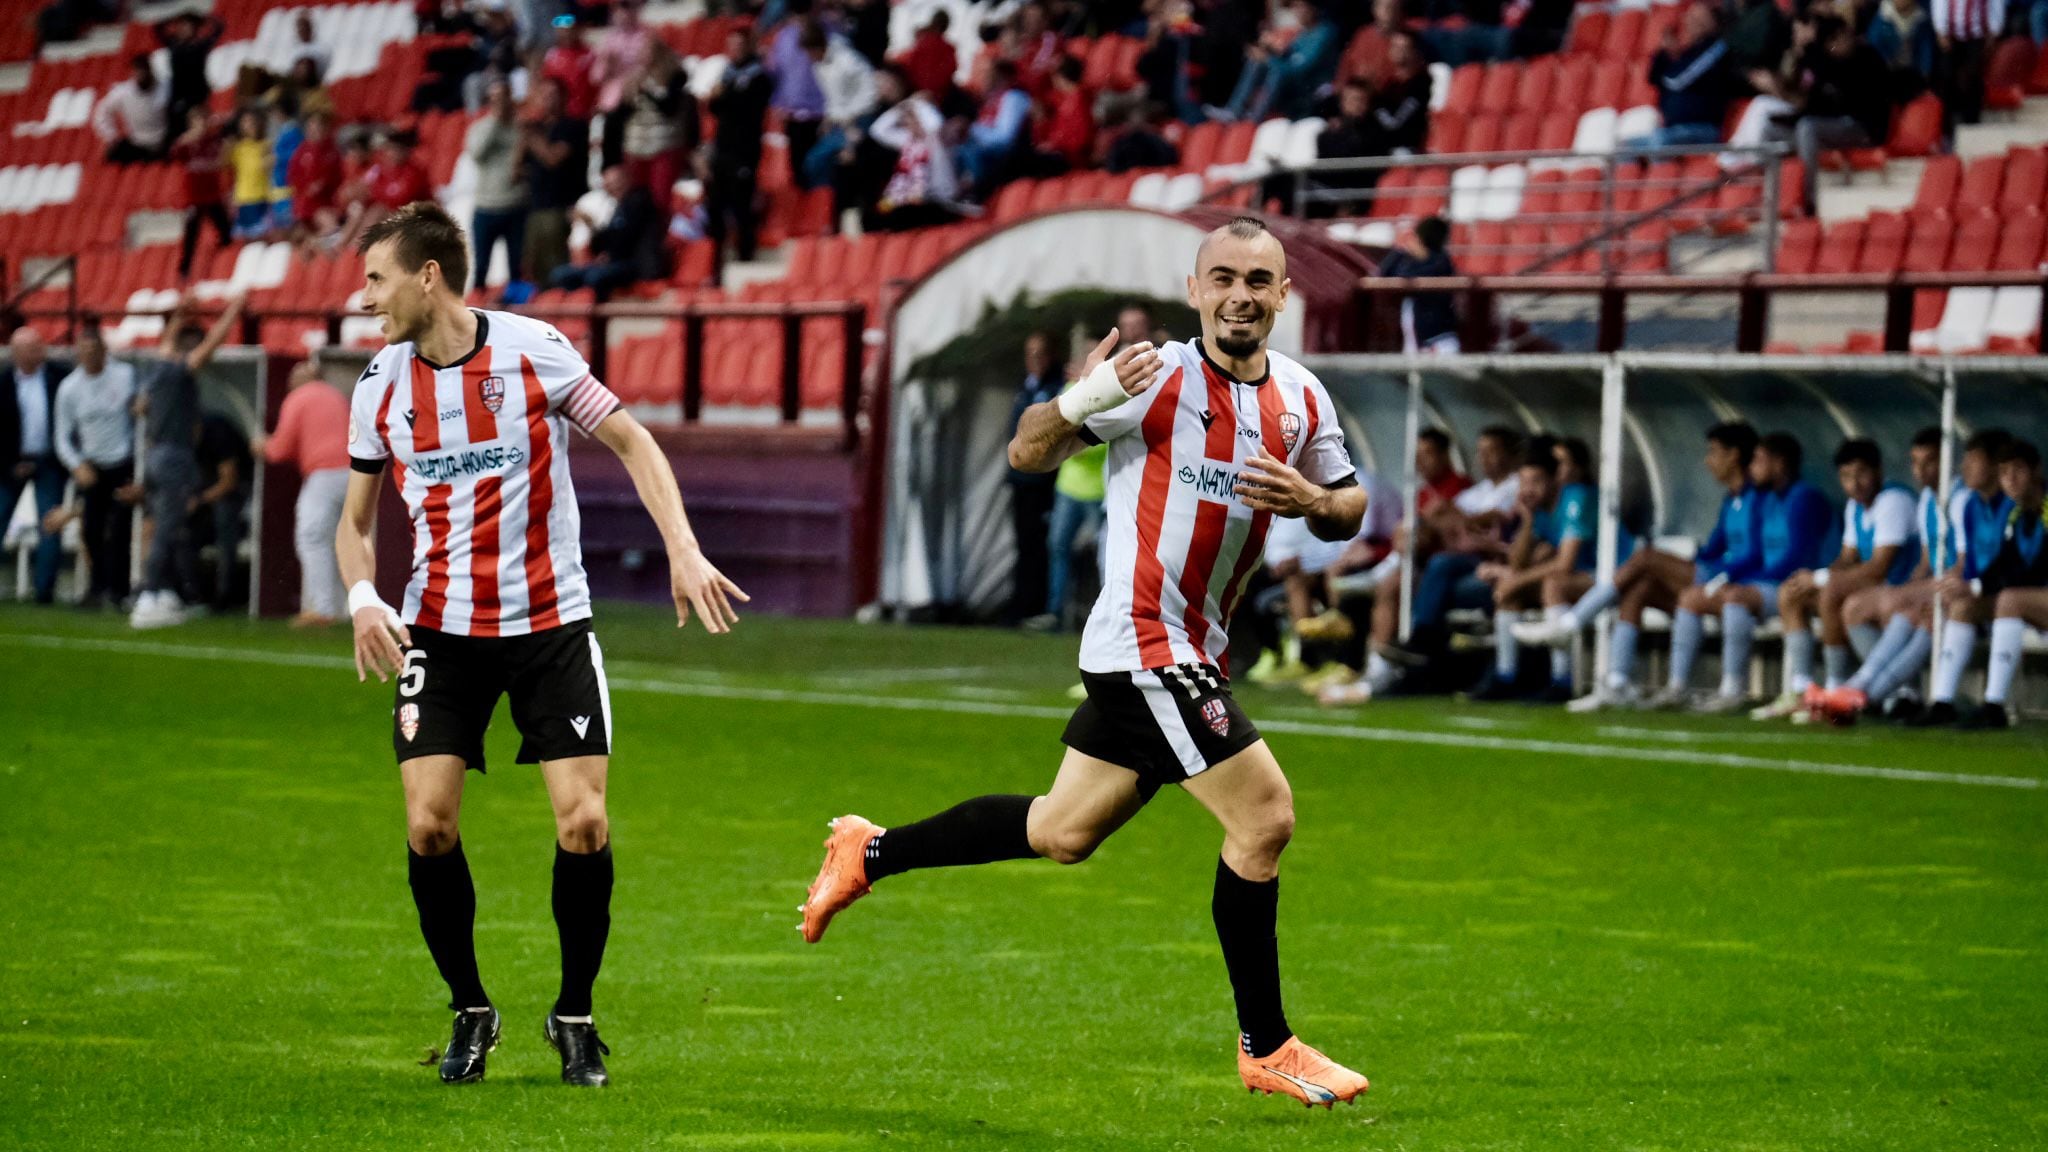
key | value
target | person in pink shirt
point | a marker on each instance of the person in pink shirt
(312, 436)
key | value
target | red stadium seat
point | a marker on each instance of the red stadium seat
(1982, 180)
(1564, 236)
(1446, 132)
(2007, 72)
(1609, 81)
(1520, 128)
(1589, 33)
(2026, 178)
(1568, 92)
(1916, 129)
(1624, 35)
(1884, 243)
(1465, 86)
(1526, 246)
(1532, 91)
(1798, 247)
(2037, 77)
(1976, 244)
(1660, 19)
(1198, 149)
(1236, 145)
(1841, 247)
(1927, 246)
(1483, 134)
(1938, 183)
(1646, 248)
(2019, 243)
(1392, 195)
(1489, 241)
(1556, 132)
(1432, 192)
(1638, 92)
(1497, 90)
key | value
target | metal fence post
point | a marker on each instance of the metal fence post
(1613, 397)
(1941, 557)
(1410, 494)
(693, 365)
(792, 366)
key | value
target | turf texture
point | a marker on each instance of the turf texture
(1531, 930)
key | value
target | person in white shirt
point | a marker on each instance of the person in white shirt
(848, 82)
(28, 448)
(306, 47)
(95, 431)
(131, 118)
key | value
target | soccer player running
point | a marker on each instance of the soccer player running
(1208, 442)
(472, 411)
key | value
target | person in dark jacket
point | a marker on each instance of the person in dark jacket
(1429, 324)
(628, 249)
(1031, 493)
(1846, 101)
(740, 104)
(1691, 75)
(1140, 144)
(1758, 37)
(1400, 109)
(28, 445)
(188, 39)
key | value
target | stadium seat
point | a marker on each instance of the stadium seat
(1965, 321)
(2019, 243)
(1431, 193)
(1183, 191)
(1660, 20)
(1976, 243)
(1390, 198)
(1533, 89)
(1482, 134)
(1636, 122)
(1938, 184)
(1525, 247)
(1595, 133)
(1588, 36)
(1502, 199)
(1884, 243)
(2015, 324)
(1609, 81)
(1798, 247)
(1519, 128)
(2026, 178)
(1624, 35)
(1466, 83)
(1468, 193)
(1841, 247)
(1300, 148)
(1439, 86)
(1269, 142)
(1927, 244)
(1916, 129)
(1569, 91)
(1483, 256)
(2006, 72)
(1148, 191)
(1446, 133)
(1498, 87)
(1982, 180)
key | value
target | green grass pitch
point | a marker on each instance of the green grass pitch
(1530, 930)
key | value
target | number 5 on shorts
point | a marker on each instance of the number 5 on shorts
(413, 676)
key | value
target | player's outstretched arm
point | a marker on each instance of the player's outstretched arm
(1270, 485)
(1048, 433)
(380, 637)
(692, 579)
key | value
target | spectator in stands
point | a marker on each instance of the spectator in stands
(1846, 101)
(312, 438)
(306, 45)
(1758, 36)
(495, 55)
(1554, 551)
(95, 442)
(626, 249)
(1400, 106)
(740, 105)
(493, 145)
(867, 29)
(1035, 47)
(862, 166)
(199, 152)
(396, 179)
(1141, 142)
(168, 404)
(314, 176)
(556, 157)
(621, 53)
(1219, 60)
(661, 124)
(1903, 34)
(130, 118)
(987, 156)
(797, 96)
(1365, 56)
(850, 89)
(28, 445)
(1171, 37)
(930, 61)
(219, 509)
(287, 133)
(1965, 29)
(1063, 136)
(922, 190)
(188, 39)
(1467, 31)
(301, 92)
(1348, 134)
(571, 63)
(1878, 547)
(1691, 75)
(1286, 68)
(1542, 28)
(1429, 322)
(1031, 493)
(250, 166)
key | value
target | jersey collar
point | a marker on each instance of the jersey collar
(1218, 369)
(483, 335)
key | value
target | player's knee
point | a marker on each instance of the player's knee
(431, 833)
(584, 826)
(1065, 845)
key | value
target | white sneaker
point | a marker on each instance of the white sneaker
(158, 610)
(1780, 709)
(1345, 695)
(1602, 699)
(1719, 705)
(1668, 699)
(1548, 632)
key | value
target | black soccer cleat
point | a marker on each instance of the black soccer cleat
(1987, 716)
(582, 1052)
(1494, 688)
(1939, 714)
(475, 1037)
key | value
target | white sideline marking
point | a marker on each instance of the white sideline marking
(1044, 712)
(1685, 736)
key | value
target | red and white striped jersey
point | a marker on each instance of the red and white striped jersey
(1968, 19)
(480, 454)
(1181, 543)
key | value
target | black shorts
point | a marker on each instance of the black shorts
(449, 686)
(1165, 724)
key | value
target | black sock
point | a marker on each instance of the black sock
(1245, 913)
(979, 831)
(446, 898)
(583, 919)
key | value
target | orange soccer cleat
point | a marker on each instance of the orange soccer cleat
(842, 879)
(1845, 704)
(1301, 1072)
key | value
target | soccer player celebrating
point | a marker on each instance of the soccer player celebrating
(472, 409)
(1208, 441)
(1880, 545)
(1653, 579)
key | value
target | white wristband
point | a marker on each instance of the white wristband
(1099, 391)
(364, 595)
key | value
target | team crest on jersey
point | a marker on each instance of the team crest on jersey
(493, 392)
(1213, 711)
(1290, 429)
(409, 721)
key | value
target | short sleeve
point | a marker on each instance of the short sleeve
(1894, 514)
(1575, 514)
(367, 448)
(1123, 419)
(566, 378)
(1325, 459)
(1849, 525)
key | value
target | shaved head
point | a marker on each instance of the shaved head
(1239, 287)
(1247, 230)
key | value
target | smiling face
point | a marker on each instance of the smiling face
(396, 297)
(1239, 286)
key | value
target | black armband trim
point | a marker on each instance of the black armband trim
(1086, 436)
(366, 467)
(1350, 480)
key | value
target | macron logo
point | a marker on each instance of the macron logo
(581, 724)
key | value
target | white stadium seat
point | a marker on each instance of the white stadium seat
(1640, 120)
(1965, 321)
(1503, 198)
(1439, 86)
(1301, 142)
(2015, 313)
(1595, 133)
(1183, 191)
(1468, 191)
(1269, 142)
(1149, 190)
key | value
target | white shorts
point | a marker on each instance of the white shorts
(1290, 539)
